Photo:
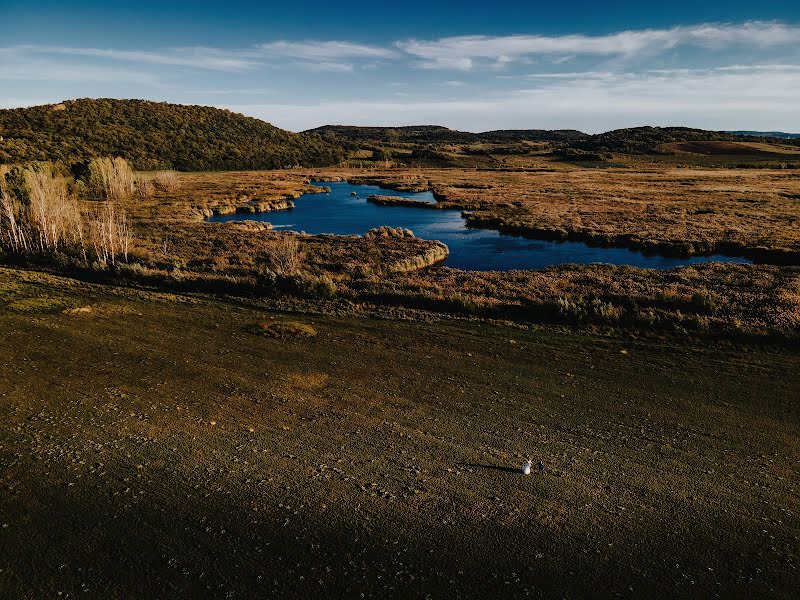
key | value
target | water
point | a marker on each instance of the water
(471, 249)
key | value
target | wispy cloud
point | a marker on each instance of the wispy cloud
(760, 97)
(603, 81)
(466, 52)
(335, 56)
(326, 50)
(310, 55)
(21, 66)
(460, 53)
(197, 57)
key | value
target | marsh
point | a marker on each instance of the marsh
(345, 211)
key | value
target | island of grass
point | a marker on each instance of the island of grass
(400, 201)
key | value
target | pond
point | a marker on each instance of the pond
(340, 212)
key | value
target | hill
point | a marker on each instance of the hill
(156, 135)
(652, 140)
(427, 134)
(777, 134)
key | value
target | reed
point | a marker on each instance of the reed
(167, 181)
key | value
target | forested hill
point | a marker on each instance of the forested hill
(431, 134)
(156, 135)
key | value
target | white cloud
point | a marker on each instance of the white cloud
(755, 98)
(317, 56)
(325, 50)
(465, 52)
(20, 66)
(196, 57)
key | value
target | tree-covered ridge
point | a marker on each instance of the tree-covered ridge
(427, 134)
(632, 140)
(647, 140)
(156, 135)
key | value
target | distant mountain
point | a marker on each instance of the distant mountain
(776, 134)
(428, 134)
(646, 140)
(156, 135)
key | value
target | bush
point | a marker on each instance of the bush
(40, 214)
(284, 329)
(109, 233)
(37, 212)
(144, 188)
(309, 286)
(284, 255)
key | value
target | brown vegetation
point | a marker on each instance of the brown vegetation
(109, 233)
(284, 255)
(167, 181)
(285, 329)
(678, 211)
(43, 217)
(111, 178)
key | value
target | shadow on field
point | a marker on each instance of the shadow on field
(492, 467)
(179, 544)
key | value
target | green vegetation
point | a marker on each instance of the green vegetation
(155, 135)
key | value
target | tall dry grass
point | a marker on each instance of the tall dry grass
(111, 178)
(53, 214)
(14, 235)
(41, 216)
(167, 181)
(144, 187)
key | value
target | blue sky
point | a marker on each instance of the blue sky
(474, 66)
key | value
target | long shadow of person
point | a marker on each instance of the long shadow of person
(492, 467)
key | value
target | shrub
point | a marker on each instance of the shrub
(53, 215)
(284, 329)
(37, 211)
(144, 188)
(284, 255)
(14, 234)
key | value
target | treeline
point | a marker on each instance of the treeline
(435, 134)
(156, 135)
(632, 140)
(646, 140)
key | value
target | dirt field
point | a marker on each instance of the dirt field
(153, 446)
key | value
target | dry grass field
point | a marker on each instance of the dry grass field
(155, 445)
(675, 210)
(650, 206)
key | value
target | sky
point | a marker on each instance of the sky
(473, 66)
